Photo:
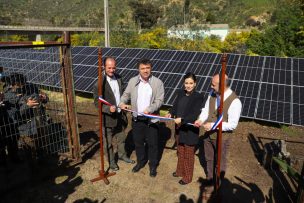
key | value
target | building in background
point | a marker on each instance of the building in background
(198, 31)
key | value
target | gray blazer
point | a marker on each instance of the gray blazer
(110, 119)
(157, 99)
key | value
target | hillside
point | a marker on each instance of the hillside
(89, 13)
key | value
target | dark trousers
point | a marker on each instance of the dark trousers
(11, 145)
(209, 151)
(9, 136)
(185, 162)
(145, 134)
(111, 134)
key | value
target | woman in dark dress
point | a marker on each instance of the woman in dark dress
(185, 111)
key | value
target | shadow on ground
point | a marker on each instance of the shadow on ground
(228, 193)
(52, 181)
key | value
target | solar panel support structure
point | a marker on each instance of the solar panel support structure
(219, 132)
(102, 174)
(69, 98)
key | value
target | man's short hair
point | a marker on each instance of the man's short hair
(144, 61)
(227, 80)
(106, 58)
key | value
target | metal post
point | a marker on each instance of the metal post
(106, 23)
(219, 133)
(102, 174)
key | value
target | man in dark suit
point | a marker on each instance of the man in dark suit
(114, 120)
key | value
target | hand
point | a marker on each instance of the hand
(198, 123)
(178, 121)
(146, 112)
(112, 109)
(168, 115)
(207, 126)
(125, 106)
(32, 103)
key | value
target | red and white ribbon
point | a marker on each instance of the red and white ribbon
(104, 101)
(153, 116)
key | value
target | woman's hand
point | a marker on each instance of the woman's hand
(178, 121)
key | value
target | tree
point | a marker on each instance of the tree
(235, 42)
(286, 37)
(145, 14)
(154, 39)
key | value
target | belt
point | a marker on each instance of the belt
(140, 118)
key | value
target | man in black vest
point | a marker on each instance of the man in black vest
(231, 115)
(114, 120)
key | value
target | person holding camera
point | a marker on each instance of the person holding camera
(26, 109)
(9, 133)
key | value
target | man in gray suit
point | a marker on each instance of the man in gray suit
(145, 93)
(114, 120)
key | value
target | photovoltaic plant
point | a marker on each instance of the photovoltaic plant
(270, 88)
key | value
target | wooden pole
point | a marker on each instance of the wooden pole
(219, 133)
(71, 98)
(65, 99)
(102, 174)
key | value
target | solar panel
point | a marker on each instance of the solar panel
(270, 88)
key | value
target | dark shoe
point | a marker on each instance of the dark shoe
(207, 182)
(136, 168)
(114, 167)
(182, 182)
(174, 174)
(127, 160)
(153, 172)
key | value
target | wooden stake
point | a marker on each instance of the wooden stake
(102, 174)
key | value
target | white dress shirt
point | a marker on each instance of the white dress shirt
(234, 112)
(115, 88)
(144, 95)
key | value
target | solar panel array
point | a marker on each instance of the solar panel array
(270, 88)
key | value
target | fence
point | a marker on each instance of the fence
(37, 120)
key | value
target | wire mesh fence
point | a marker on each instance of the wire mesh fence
(34, 121)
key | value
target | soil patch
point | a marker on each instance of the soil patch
(245, 181)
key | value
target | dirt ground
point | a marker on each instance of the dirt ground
(246, 180)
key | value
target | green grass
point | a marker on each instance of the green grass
(288, 130)
(258, 3)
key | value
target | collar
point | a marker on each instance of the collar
(111, 78)
(142, 80)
